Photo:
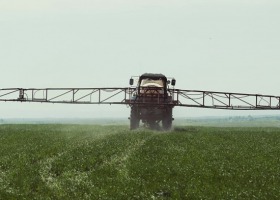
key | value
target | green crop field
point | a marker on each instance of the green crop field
(111, 162)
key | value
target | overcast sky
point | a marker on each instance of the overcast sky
(216, 45)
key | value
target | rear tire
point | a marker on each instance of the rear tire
(167, 120)
(134, 119)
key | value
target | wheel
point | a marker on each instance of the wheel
(167, 120)
(134, 119)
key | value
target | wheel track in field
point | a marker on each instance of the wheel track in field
(119, 161)
(50, 179)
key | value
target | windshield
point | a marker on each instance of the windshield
(150, 82)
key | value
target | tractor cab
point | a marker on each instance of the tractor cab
(149, 84)
(152, 83)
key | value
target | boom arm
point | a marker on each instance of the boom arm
(184, 98)
(226, 100)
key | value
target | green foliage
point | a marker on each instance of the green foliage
(111, 162)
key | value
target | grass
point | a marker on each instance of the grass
(111, 162)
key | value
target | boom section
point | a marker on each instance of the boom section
(153, 97)
(67, 95)
(226, 100)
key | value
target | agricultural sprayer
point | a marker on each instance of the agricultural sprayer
(151, 98)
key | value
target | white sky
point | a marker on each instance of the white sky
(216, 45)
